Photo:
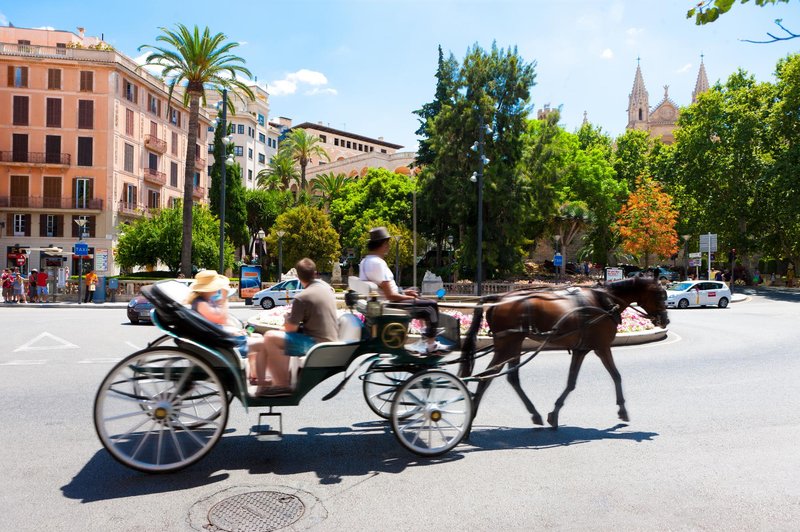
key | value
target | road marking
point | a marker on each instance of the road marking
(23, 363)
(62, 344)
(98, 361)
(133, 345)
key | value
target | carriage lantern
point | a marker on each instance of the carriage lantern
(373, 306)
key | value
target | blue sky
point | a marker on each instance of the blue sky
(365, 65)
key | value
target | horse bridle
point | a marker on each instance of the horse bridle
(656, 319)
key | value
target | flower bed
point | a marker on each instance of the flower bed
(631, 321)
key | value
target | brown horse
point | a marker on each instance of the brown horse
(580, 320)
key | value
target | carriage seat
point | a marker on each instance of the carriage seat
(332, 354)
(364, 288)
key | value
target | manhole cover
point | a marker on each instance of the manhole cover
(256, 511)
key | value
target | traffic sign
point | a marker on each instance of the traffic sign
(708, 242)
(697, 255)
(81, 248)
(558, 259)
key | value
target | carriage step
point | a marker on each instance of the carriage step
(265, 431)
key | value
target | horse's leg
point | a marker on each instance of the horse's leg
(476, 400)
(513, 379)
(608, 362)
(574, 368)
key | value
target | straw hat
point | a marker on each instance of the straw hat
(209, 281)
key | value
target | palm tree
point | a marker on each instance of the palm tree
(280, 173)
(195, 62)
(302, 148)
(329, 186)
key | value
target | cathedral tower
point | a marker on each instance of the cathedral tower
(638, 102)
(701, 85)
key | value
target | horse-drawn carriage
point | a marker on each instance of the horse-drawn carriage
(165, 407)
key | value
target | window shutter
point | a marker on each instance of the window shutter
(27, 225)
(53, 112)
(90, 190)
(91, 224)
(25, 79)
(74, 226)
(42, 225)
(10, 76)
(59, 228)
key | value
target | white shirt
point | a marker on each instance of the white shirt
(374, 269)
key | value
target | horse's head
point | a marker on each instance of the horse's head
(653, 300)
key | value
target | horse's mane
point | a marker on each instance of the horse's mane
(631, 286)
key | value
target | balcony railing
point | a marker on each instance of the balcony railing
(151, 142)
(198, 192)
(154, 176)
(130, 209)
(199, 163)
(35, 157)
(38, 202)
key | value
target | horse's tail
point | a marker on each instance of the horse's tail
(468, 348)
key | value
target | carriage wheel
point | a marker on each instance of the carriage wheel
(380, 383)
(431, 412)
(160, 410)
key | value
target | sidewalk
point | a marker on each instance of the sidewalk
(107, 305)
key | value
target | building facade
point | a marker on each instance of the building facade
(660, 121)
(88, 140)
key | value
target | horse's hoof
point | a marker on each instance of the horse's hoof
(537, 420)
(552, 420)
(624, 416)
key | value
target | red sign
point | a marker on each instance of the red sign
(712, 294)
(20, 260)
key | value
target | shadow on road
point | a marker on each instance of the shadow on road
(361, 450)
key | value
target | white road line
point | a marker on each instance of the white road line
(61, 343)
(23, 363)
(98, 361)
(133, 345)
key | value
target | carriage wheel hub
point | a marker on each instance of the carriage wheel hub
(161, 411)
(435, 415)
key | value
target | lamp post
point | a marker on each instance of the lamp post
(223, 123)
(280, 253)
(81, 222)
(477, 177)
(452, 258)
(397, 259)
(686, 255)
(414, 228)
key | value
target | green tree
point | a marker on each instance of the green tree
(632, 155)
(235, 205)
(280, 174)
(309, 233)
(329, 186)
(446, 85)
(148, 241)
(302, 147)
(196, 62)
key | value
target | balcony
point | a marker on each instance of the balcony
(130, 209)
(198, 192)
(50, 203)
(154, 176)
(29, 158)
(199, 163)
(153, 143)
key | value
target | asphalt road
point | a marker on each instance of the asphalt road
(711, 445)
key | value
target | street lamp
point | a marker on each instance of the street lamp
(397, 259)
(452, 257)
(223, 123)
(81, 222)
(477, 177)
(280, 253)
(686, 255)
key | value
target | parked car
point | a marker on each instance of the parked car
(281, 294)
(699, 293)
(139, 307)
(659, 272)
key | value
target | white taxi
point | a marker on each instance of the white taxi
(281, 294)
(698, 294)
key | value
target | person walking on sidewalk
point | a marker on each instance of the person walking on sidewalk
(91, 286)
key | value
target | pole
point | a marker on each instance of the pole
(414, 228)
(280, 256)
(80, 277)
(479, 272)
(224, 126)
(709, 256)
(397, 260)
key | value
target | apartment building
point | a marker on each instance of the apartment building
(88, 140)
(255, 138)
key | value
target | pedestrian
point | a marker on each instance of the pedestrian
(19, 287)
(32, 285)
(91, 286)
(5, 280)
(41, 286)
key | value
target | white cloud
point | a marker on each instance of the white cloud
(607, 54)
(153, 69)
(3, 20)
(684, 68)
(289, 84)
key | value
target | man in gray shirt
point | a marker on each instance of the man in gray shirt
(315, 309)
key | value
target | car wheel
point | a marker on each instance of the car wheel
(723, 302)
(134, 321)
(267, 303)
(683, 303)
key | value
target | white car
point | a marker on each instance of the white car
(698, 294)
(281, 294)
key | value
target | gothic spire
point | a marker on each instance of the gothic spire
(638, 101)
(701, 85)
